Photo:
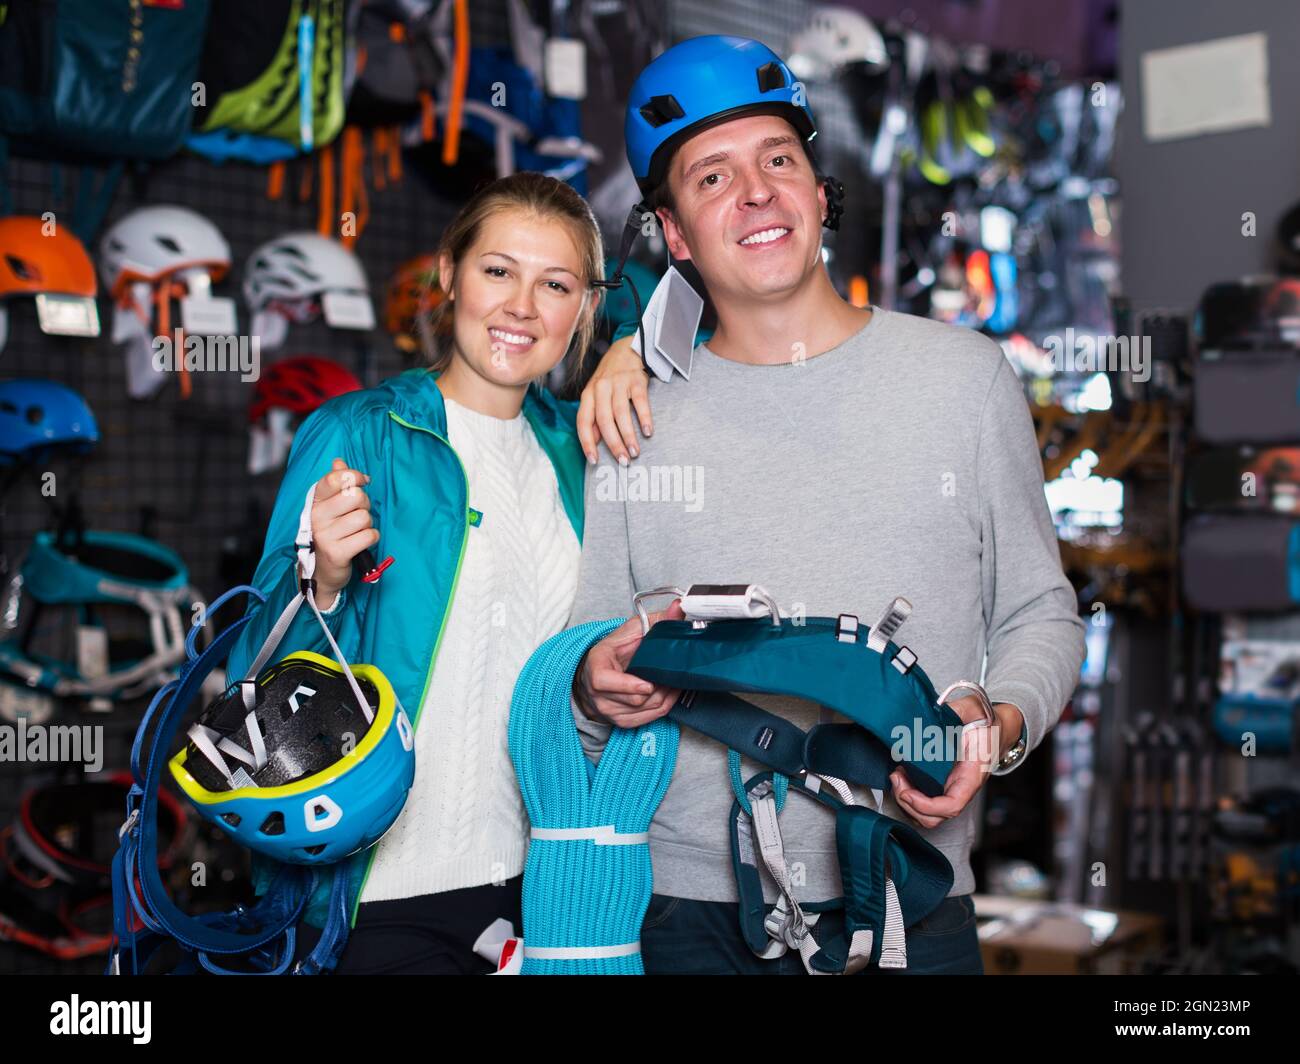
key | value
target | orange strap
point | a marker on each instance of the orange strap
(394, 154)
(378, 153)
(305, 179)
(275, 181)
(428, 116)
(459, 83)
(353, 196)
(325, 205)
(164, 293)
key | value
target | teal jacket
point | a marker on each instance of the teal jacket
(397, 433)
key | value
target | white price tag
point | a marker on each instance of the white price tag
(64, 315)
(92, 652)
(565, 63)
(347, 310)
(210, 316)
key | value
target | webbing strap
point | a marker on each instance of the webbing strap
(843, 751)
(891, 878)
(203, 737)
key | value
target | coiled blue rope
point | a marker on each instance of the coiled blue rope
(587, 881)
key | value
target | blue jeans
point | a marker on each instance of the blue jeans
(684, 937)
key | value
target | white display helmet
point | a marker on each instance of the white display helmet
(834, 38)
(153, 243)
(286, 278)
(140, 257)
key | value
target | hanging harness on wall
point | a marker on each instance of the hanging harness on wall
(82, 572)
(587, 881)
(263, 765)
(55, 864)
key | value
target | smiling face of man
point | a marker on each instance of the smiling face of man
(747, 209)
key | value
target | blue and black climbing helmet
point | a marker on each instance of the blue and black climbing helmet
(704, 81)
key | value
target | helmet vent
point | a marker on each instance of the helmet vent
(168, 244)
(661, 110)
(770, 77)
(35, 415)
(273, 825)
(21, 270)
(232, 819)
(305, 274)
(314, 851)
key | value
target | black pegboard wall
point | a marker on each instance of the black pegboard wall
(177, 469)
(185, 460)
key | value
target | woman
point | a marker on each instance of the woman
(470, 476)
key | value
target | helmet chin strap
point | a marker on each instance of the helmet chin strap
(631, 229)
(834, 202)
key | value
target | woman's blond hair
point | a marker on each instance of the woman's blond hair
(544, 197)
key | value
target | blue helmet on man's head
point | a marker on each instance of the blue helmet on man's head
(699, 83)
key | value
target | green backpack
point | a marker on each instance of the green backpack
(275, 68)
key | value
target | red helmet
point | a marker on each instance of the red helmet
(300, 385)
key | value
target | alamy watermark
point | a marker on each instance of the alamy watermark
(208, 354)
(1092, 353)
(62, 743)
(652, 483)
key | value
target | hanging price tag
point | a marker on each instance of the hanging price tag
(209, 316)
(347, 310)
(64, 315)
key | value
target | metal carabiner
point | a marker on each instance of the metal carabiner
(676, 592)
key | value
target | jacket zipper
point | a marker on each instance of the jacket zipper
(428, 675)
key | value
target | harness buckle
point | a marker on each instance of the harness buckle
(129, 823)
(846, 628)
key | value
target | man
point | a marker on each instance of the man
(838, 457)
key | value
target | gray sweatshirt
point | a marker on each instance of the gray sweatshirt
(902, 462)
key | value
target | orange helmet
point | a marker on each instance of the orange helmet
(413, 293)
(32, 261)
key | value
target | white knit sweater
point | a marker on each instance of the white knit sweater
(464, 823)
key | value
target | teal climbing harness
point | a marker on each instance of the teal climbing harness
(587, 881)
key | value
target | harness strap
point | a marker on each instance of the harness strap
(840, 751)
(892, 877)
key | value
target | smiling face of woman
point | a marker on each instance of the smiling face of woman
(517, 297)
